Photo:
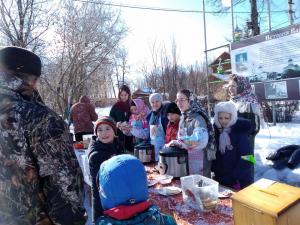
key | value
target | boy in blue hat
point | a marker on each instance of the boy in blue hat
(124, 194)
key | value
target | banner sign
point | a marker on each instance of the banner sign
(270, 57)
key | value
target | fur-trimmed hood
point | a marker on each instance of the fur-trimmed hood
(228, 107)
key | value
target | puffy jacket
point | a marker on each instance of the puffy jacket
(229, 167)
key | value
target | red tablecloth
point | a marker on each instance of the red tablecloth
(185, 215)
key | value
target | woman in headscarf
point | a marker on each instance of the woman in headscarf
(158, 121)
(195, 133)
(240, 92)
(120, 112)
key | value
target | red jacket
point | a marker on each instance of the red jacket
(82, 115)
(171, 132)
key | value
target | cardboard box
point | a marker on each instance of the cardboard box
(267, 202)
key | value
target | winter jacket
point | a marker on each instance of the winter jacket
(171, 132)
(40, 178)
(98, 152)
(152, 216)
(139, 129)
(120, 112)
(82, 115)
(230, 168)
(198, 161)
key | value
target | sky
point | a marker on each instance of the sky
(187, 29)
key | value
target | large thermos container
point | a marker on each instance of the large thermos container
(173, 161)
(144, 152)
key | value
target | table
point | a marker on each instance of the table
(84, 165)
(183, 214)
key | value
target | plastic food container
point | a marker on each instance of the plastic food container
(199, 192)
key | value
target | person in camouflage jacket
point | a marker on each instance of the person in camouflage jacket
(40, 178)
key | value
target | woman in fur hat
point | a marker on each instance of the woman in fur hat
(104, 147)
(234, 164)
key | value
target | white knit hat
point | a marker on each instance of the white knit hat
(155, 97)
(228, 107)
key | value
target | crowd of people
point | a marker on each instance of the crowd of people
(40, 178)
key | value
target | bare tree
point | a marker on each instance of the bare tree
(217, 4)
(24, 22)
(87, 39)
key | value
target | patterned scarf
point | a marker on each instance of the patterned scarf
(244, 91)
(196, 107)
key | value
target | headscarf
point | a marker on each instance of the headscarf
(245, 99)
(141, 107)
(244, 90)
(196, 107)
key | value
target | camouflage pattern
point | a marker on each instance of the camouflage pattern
(40, 178)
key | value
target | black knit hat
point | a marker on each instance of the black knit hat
(172, 108)
(21, 61)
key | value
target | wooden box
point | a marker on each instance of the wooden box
(267, 202)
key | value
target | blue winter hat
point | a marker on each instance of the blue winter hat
(122, 181)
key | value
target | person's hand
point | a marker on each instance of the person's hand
(119, 125)
(171, 143)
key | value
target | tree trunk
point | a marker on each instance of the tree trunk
(254, 18)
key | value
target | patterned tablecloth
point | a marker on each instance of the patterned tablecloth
(185, 215)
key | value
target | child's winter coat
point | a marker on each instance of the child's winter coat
(231, 167)
(99, 152)
(138, 122)
(124, 194)
(171, 132)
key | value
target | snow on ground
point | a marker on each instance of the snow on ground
(271, 138)
(103, 111)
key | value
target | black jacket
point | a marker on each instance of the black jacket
(99, 152)
(230, 168)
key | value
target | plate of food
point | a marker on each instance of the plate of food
(164, 179)
(152, 182)
(168, 191)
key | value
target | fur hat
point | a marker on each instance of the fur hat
(155, 97)
(24, 62)
(228, 107)
(173, 108)
(122, 181)
(106, 120)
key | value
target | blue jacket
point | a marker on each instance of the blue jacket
(230, 168)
